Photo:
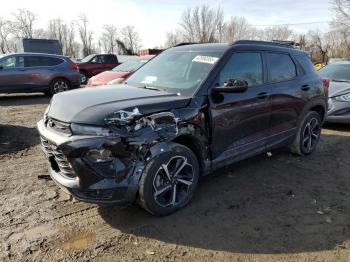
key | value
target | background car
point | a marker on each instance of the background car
(95, 64)
(34, 72)
(339, 91)
(118, 74)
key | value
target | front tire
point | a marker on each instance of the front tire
(59, 85)
(308, 135)
(83, 77)
(168, 181)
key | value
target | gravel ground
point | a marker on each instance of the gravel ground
(279, 208)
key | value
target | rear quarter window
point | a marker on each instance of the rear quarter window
(305, 63)
(51, 61)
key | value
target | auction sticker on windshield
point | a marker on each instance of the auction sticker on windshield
(205, 59)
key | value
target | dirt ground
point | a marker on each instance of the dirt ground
(279, 208)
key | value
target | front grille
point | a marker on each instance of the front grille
(57, 159)
(58, 126)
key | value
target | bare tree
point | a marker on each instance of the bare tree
(276, 33)
(130, 39)
(173, 38)
(342, 13)
(236, 29)
(85, 35)
(201, 23)
(319, 47)
(59, 30)
(24, 23)
(5, 33)
(108, 39)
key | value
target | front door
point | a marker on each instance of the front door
(240, 120)
(12, 74)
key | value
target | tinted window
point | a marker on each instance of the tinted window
(281, 67)
(111, 59)
(50, 61)
(306, 63)
(245, 66)
(32, 61)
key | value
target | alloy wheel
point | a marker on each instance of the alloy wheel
(60, 86)
(311, 135)
(172, 182)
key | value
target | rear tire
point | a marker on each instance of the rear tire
(59, 85)
(168, 181)
(308, 135)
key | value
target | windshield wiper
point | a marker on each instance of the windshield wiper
(151, 88)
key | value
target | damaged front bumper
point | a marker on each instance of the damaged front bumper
(110, 182)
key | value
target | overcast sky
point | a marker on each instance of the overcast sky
(154, 18)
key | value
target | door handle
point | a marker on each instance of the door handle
(262, 95)
(22, 70)
(305, 88)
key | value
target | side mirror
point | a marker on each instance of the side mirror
(232, 86)
(1, 67)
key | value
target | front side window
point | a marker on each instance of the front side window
(243, 66)
(87, 58)
(9, 63)
(12, 62)
(176, 71)
(281, 67)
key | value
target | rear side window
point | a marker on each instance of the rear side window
(32, 61)
(281, 67)
(110, 59)
(245, 66)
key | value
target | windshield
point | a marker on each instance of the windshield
(176, 71)
(336, 72)
(87, 58)
(129, 66)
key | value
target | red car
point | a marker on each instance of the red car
(119, 73)
(95, 64)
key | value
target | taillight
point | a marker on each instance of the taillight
(74, 67)
(326, 83)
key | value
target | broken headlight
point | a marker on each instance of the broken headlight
(78, 129)
(99, 155)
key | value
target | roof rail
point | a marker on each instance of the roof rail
(289, 44)
(185, 43)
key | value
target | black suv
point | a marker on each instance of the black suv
(187, 112)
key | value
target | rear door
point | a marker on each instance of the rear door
(286, 96)
(240, 121)
(13, 76)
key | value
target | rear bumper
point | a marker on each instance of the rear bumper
(112, 183)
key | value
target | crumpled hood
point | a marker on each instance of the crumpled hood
(107, 76)
(93, 105)
(338, 88)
